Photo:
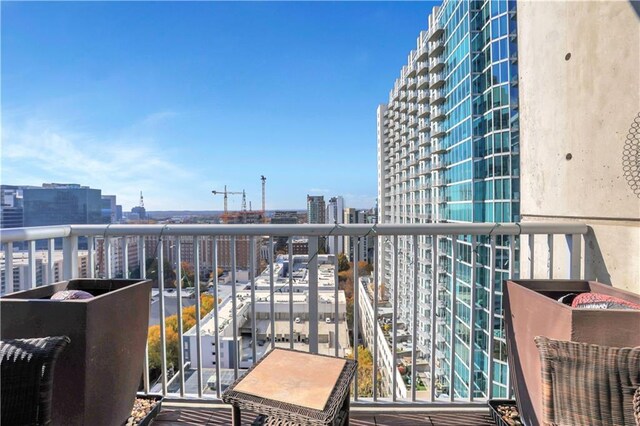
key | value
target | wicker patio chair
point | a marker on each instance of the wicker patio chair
(26, 379)
(585, 384)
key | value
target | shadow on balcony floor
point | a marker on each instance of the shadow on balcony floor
(181, 416)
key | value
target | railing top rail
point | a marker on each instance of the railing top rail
(9, 235)
(34, 233)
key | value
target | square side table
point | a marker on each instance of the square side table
(294, 387)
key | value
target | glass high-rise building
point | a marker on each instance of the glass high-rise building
(55, 204)
(448, 151)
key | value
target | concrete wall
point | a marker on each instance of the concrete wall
(579, 65)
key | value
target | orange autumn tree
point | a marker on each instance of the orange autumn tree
(207, 304)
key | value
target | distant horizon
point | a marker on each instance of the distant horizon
(179, 99)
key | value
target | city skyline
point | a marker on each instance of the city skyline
(138, 106)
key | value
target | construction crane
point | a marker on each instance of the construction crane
(227, 193)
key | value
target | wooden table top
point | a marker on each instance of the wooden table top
(297, 378)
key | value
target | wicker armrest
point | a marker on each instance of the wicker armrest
(585, 384)
(636, 405)
(26, 379)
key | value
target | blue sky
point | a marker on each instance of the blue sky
(177, 99)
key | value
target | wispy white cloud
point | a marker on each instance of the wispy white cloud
(36, 151)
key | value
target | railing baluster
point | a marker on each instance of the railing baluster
(163, 327)
(312, 266)
(574, 241)
(254, 323)
(414, 333)
(107, 258)
(290, 274)
(492, 309)
(91, 254)
(394, 319)
(356, 312)
(51, 247)
(336, 304)
(8, 268)
(272, 295)
(196, 285)
(216, 333)
(434, 298)
(143, 276)
(532, 252)
(374, 324)
(234, 304)
(472, 324)
(178, 258)
(550, 256)
(454, 311)
(70, 257)
(31, 270)
(125, 257)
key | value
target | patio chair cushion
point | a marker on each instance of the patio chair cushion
(26, 379)
(585, 384)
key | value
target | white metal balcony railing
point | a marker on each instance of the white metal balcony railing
(437, 112)
(384, 237)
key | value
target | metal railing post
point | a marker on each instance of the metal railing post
(31, 269)
(376, 296)
(163, 331)
(196, 284)
(178, 244)
(70, 257)
(8, 268)
(51, 261)
(574, 242)
(356, 319)
(216, 325)
(313, 294)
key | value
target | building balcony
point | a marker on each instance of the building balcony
(423, 125)
(438, 129)
(424, 140)
(437, 163)
(436, 80)
(437, 112)
(423, 110)
(423, 96)
(88, 251)
(436, 63)
(421, 53)
(436, 96)
(438, 180)
(403, 95)
(411, 72)
(422, 68)
(435, 30)
(411, 95)
(423, 82)
(437, 146)
(436, 47)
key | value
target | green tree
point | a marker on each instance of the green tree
(188, 275)
(151, 266)
(343, 262)
(364, 268)
(365, 372)
(207, 304)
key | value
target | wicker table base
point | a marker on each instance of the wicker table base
(288, 387)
